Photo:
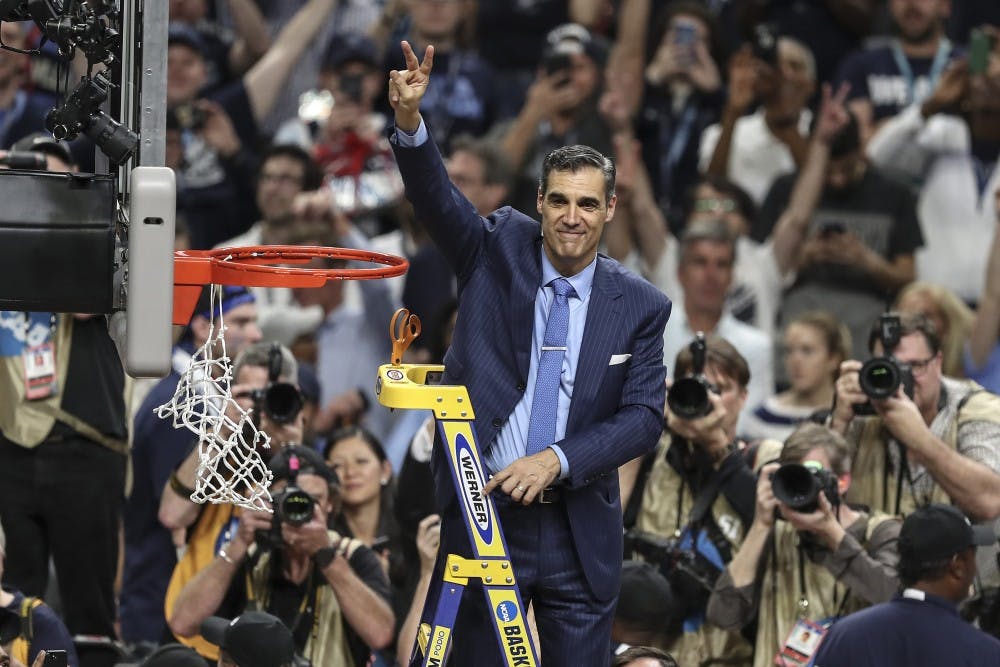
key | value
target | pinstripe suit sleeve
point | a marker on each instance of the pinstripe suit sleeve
(635, 427)
(458, 231)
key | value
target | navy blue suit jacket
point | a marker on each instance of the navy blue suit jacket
(616, 413)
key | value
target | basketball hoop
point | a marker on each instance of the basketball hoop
(230, 466)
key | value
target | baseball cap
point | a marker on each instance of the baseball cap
(181, 33)
(174, 655)
(252, 639)
(349, 48)
(935, 532)
(310, 463)
(571, 38)
(43, 142)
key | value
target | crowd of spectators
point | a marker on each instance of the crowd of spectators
(786, 173)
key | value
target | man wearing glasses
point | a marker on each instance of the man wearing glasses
(940, 445)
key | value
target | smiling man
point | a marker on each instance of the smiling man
(562, 352)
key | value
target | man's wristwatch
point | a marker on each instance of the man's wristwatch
(324, 557)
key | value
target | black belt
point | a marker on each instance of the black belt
(550, 496)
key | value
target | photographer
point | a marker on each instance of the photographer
(695, 486)
(819, 562)
(209, 525)
(329, 590)
(938, 445)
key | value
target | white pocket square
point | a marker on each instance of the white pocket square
(619, 359)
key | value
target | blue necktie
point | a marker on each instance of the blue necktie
(545, 403)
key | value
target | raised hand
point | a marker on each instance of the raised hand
(407, 87)
(951, 89)
(833, 115)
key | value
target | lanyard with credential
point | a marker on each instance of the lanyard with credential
(937, 66)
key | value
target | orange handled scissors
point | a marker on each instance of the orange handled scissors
(402, 330)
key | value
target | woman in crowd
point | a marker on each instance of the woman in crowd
(951, 317)
(814, 344)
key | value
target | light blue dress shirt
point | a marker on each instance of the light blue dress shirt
(511, 443)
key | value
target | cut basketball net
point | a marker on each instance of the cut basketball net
(231, 447)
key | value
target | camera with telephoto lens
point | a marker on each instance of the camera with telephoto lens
(691, 575)
(880, 377)
(688, 396)
(291, 505)
(798, 485)
(280, 401)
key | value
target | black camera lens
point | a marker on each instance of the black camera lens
(880, 377)
(282, 402)
(295, 507)
(688, 398)
(799, 486)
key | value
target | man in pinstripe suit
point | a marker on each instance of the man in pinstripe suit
(559, 506)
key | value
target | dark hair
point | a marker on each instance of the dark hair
(719, 354)
(639, 652)
(909, 323)
(807, 437)
(496, 166)
(722, 185)
(348, 432)
(848, 140)
(911, 573)
(312, 175)
(573, 159)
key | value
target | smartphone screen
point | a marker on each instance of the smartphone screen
(55, 658)
(979, 51)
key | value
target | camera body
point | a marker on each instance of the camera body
(880, 377)
(688, 396)
(280, 401)
(798, 485)
(692, 576)
(291, 505)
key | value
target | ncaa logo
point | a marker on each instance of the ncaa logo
(394, 374)
(507, 611)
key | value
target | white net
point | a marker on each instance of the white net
(230, 467)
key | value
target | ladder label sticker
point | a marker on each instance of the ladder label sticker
(439, 643)
(472, 489)
(511, 629)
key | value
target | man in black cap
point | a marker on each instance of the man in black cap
(329, 589)
(56, 153)
(253, 639)
(921, 626)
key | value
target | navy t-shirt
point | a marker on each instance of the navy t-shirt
(907, 632)
(875, 75)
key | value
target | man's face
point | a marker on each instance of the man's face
(436, 19)
(12, 64)
(241, 329)
(573, 217)
(280, 179)
(914, 350)
(186, 74)
(919, 20)
(705, 274)
(468, 173)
